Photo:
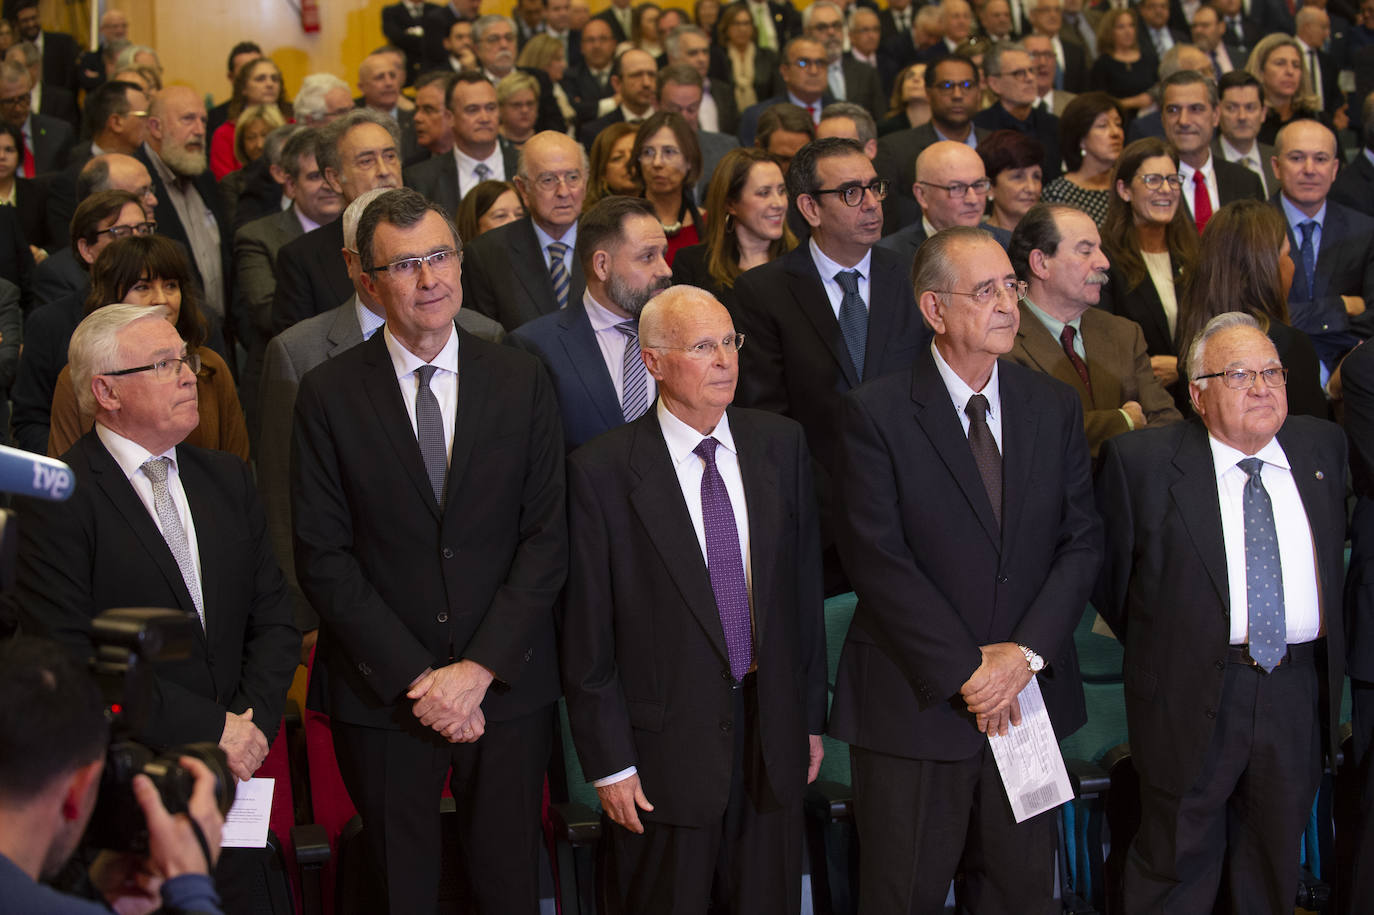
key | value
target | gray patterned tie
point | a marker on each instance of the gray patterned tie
(853, 319)
(1263, 572)
(985, 453)
(429, 427)
(169, 519)
(558, 272)
(634, 377)
(482, 171)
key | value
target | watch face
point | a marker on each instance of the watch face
(1037, 665)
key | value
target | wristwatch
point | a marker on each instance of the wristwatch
(1033, 660)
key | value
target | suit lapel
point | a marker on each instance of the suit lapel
(656, 497)
(1195, 498)
(935, 415)
(1334, 233)
(345, 333)
(1046, 354)
(579, 343)
(474, 383)
(884, 289)
(1020, 422)
(765, 515)
(531, 271)
(809, 294)
(384, 394)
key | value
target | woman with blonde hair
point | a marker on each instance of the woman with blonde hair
(517, 101)
(909, 105)
(544, 52)
(1121, 69)
(1276, 62)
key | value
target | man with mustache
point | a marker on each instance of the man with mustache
(591, 348)
(1057, 252)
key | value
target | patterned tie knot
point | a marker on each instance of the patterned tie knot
(1308, 226)
(706, 450)
(630, 329)
(849, 281)
(425, 373)
(155, 469)
(1252, 467)
(558, 250)
(481, 171)
(1066, 335)
(977, 408)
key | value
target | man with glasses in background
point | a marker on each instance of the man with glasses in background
(969, 531)
(1011, 74)
(829, 314)
(46, 139)
(803, 72)
(952, 187)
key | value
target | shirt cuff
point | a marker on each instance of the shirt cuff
(617, 777)
(191, 893)
(1130, 424)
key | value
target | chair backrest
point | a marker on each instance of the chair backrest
(839, 612)
(579, 789)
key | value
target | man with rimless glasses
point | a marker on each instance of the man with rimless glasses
(968, 530)
(1223, 581)
(829, 314)
(952, 188)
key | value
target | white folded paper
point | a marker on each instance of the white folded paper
(246, 824)
(1029, 760)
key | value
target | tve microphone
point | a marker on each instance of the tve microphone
(27, 474)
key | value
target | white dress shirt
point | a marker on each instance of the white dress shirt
(828, 268)
(1301, 603)
(1250, 160)
(131, 456)
(960, 394)
(1209, 176)
(708, 115)
(467, 165)
(307, 224)
(444, 383)
(682, 439)
(612, 343)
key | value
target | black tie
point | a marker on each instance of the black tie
(985, 453)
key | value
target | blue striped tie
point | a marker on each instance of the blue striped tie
(634, 377)
(558, 272)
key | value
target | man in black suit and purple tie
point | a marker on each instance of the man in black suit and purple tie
(693, 653)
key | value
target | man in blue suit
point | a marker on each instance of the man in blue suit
(591, 348)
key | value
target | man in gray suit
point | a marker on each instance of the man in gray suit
(314, 203)
(291, 354)
(679, 90)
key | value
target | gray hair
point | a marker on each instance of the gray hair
(1168, 62)
(353, 214)
(864, 125)
(672, 44)
(522, 172)
(933, 268)
(332, 134)
(310, 105)
(400, 207)
(126, 59)
(806, 13)
(1224, 321)
(94, 348)
(992, 60)
(483, 23)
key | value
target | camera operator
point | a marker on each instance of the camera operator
(53, 737)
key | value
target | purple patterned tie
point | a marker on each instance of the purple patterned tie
(724, 563)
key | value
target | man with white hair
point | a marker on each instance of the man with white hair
(323, 98)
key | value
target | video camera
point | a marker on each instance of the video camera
(127, 643)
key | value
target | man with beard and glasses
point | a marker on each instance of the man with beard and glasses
(188, 203)
(1057, 252)
(591, 348)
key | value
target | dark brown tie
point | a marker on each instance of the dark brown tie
(985, 453)
(1066, 340)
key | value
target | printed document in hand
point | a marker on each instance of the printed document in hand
(246, 824)
(1029, 761)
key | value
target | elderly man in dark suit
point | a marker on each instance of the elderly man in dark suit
(430, 537)
(1057, 252)
(591, 348)
(1188, 109)
(356, 153)
(527, 268)
(968, 530)
(157, 523)
(693, 654)
(829, 314)
(1223, 581)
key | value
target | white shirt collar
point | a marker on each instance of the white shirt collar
(1185, 171)
(307, 224)
(407, 362)
(369, 321)
(601, 317)
(1224, 457)
(681, 438)
(828, 268)
(128, 454)
(468, 163)
(960, 392)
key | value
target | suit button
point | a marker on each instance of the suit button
(1221, 665)
(1002, 579)
(364, 669)
(447, 553)
(725, 675)
(529, 654)
(1211, 713)
(726, 726)
(442, 617)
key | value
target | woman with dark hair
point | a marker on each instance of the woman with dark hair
(1244, 264)
(488, 205)
(152, 270)
(666, 162)
(29, 197)
(609, 164)
(644, 30)
(257, 83)
(1150, 242)
(909, 105)
(1276, 62)
(1091, 132)
(749, 192)
(751, 70)
(1014, 163)
(1121, 69)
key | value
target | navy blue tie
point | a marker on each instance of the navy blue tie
(853, 319)
(1308, 254)
(1263, 572)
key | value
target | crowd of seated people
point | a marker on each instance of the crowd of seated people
(1152, 186)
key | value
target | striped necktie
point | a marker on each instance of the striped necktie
(634, 377)
(558, 272)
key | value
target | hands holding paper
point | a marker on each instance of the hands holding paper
(992, 690)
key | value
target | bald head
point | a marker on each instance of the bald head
(176, 129)
(552, 180)
(670, 312)
(940, 166)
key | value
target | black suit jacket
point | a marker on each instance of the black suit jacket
(1142, 305)
(1076, 67)
(31, 200)
(645, 665)
(437, 177)
(396, 25)
(169, 222)
(1357, 383)
(1041, 125)
(47, 333)
(59, 102)
(52, 137)
(1345, 266)
(101, 549)
(1234, 182)
(1354, 187)
(935, 576)
(586, 134)
(863, 86)
(506, 279)
(311, 276)
(401, 584)
(896, 161)
(1164, 587)
(60, 56)
(584, 92)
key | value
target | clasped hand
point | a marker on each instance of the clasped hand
(449, 700)
(992, 690)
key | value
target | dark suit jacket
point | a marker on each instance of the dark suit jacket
(437, 177)
(60, 56)
(506, 279)
(727, 112)
(401, 584)
(644, 658)
(1164, 588)
(52, 137)
(1118, 367)
(31, 200)
(1345, 266)
(59, 102)
(1146, 125)
(47, 333)
(1076, 67)
(586, 134)
(1041, 125)
(907, 242)
(16, 260)
(101, 549)
(1234, 182)
(863, 86)
(935, 576)
(617, 30)
(59, 275)
(565, 343)
(311, 276)
(1141, 304)
(396, 25)
(1354, 187)
(896, 161)
(749, 118)
(584, 92)
(1357, 382)
(689, 269)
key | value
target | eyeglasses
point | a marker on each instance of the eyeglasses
(1155, 182)
(1020, 73)
(666, 153)
(949, 85)
(707, 348)
(164, 369)
(408, 268)
(548, 182)
(1016, 289)
(853, 194)
(143, 228)
(806, 63)
(1244, 379)
(827, 26)
(15, 102)
(501, 38)
(958, 189)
